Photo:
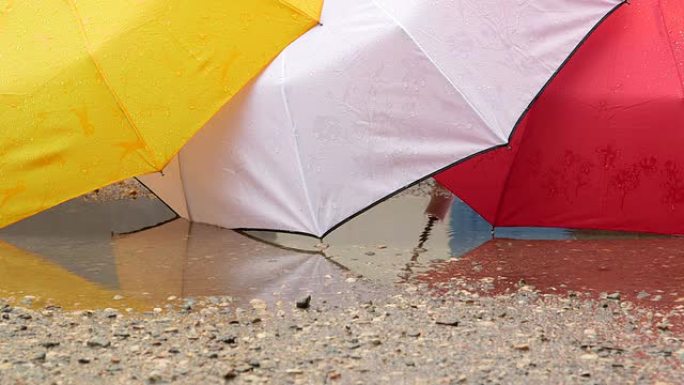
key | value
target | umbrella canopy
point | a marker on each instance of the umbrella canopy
(602, 147)
(386, 93)
(92, 92)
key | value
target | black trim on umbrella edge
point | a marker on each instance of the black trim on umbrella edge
(392, 194)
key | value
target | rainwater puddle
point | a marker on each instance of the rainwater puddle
(85, 254)
(395, 242)
(136, 254)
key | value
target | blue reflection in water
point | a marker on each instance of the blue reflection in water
(468, 230)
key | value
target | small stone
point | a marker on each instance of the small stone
(227, 339)
(294, 371)
(229, 374)
(28, 300)
(118, 297)
(334, 375)
(154, 377)
(304, 303)
(157, 310)
(613, 296)
(122, 333)
(589, 357)
(171, 298)
(98, 342)
(522, 347)
(84, 360)
(258, 304)
(447, 322)
(642, 295)
(350, 280)
(50, 344)
(370, 253)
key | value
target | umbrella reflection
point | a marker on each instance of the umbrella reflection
(647, 270)
(186, 259)
(23, 273)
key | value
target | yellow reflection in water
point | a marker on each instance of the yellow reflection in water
(23, 273)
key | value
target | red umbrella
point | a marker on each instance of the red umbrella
(603, 147)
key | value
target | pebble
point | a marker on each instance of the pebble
(613, 296)
(258, 304)
(447, 322)
(522, 347)
(304, 303)
(409, 336)
(98, 342)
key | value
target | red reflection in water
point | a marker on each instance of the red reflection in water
(630, 266)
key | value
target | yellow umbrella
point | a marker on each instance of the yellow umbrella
(92, 91)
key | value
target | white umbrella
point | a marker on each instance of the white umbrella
(382, 94)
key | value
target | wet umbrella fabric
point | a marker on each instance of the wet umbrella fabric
(602, 147)
(92, 92)
(383, 94)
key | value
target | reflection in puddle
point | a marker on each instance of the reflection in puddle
(23, 274)
(89, 255)
(190, 260)
(649, 270)
(83, 254)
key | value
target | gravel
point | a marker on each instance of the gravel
(406, 335)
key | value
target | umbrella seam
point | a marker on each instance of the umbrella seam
(495, 130)
(297, 9)
(669, 44)
(182, 183)
(119, 102)
(293, 126)
(460, 161)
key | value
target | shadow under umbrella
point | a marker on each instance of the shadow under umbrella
(186, 259)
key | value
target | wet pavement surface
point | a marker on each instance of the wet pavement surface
(417, 290)
(84, 253)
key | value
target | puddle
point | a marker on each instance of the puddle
(84, 254)
(135, 254)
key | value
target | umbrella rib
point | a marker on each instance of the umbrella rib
(293, 126)
(297, 9)
(116, 97)
(496, 131)
(670, 45)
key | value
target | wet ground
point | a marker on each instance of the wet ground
(85, 253)
(422, 255)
